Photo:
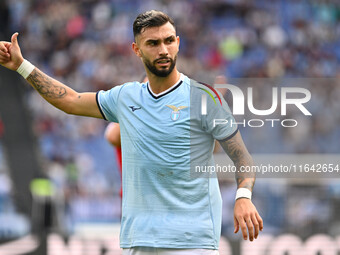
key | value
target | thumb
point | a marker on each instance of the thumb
(14, 39)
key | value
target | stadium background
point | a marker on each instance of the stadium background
(86, 44)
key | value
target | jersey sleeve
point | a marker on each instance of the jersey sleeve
(219, 121)
(108, 103)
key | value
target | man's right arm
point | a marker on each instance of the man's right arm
(63, 97)
(53, 91)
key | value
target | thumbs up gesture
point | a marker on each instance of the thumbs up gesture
(10, 53)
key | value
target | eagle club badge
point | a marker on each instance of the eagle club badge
(176, 111)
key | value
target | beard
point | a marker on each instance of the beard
(163, 72)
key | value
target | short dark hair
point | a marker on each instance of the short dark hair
(150, 19)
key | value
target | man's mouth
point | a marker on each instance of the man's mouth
(163, 62)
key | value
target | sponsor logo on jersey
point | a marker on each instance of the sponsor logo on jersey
(134, 108)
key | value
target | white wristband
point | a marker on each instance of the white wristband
(243, 193)
(25, 69)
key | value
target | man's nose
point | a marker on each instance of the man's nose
(163, 50)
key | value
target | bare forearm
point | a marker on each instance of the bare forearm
(46, 86)
(63, 97)
(51, 90)
(239, 154)
(244, 179)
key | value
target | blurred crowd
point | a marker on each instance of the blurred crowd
(86, 45)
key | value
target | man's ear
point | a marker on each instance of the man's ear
(136, 50)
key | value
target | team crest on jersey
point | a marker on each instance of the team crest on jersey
(176, 111)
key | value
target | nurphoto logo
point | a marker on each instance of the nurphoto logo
(287, 97)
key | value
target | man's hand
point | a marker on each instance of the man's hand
(247, 217)
(10, 53)
(53, 91)
(245, 213)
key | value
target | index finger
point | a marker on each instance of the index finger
(4, 55)
(3, 47)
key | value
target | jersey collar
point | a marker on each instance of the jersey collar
(165, 92)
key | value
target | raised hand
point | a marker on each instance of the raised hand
(10, 53)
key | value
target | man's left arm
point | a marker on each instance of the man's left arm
(245, 213)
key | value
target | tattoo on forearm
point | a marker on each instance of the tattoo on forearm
(245, 182)
(45, 85)
(238, 153)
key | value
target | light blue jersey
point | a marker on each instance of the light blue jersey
(163, 136)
